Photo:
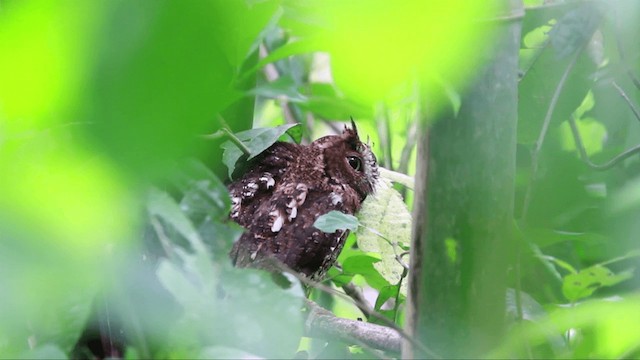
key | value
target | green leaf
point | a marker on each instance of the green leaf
(224, 352)
(534, 312)
(531, 309)
(541, 15)
(145, 70)
(585, 282)
(386, 293)
(547, 237)
(283, 86)
(336, 220)
(258, 316)
(257, 141)
(46, 351)
(385, 220)
(364, 265)
(160, 204)
(204, 194)
(324, 101)
(537, 92)
(176, 282)
(574, 30)
(289, 49)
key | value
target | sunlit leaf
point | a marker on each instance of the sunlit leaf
(364, 265)
(386, 229)
(592, 133)
(583, 284)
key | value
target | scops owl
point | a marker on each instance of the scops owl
(287, 188)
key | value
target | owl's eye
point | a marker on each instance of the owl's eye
(355, 162)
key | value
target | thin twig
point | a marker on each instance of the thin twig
(163, 238)
(358, 298)
(290, 113)
(226, 132)
(585, 157)
(543, 131)
(383, 126)
(626, 98)
(621, 51)
(405, 155)
(396, 305)
(234, 139)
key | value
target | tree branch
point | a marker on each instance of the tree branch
(323, 324)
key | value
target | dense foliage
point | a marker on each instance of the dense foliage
(120, 123)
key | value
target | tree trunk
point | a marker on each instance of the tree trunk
(464, 210)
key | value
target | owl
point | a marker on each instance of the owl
(287, 188)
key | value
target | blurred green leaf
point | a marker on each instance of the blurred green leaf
(204, 194)
(531, 309)
(539, 84)
(544, 237)
(160, 204)
(536, 16)
(336, 220)
(284, 86)
(598, 322)
(150, 87)
(223, 352)
(324, 101)
(354, 42)
(222, 306)
(182, 288)
(45, 352)
(574, 29)
(592, 133)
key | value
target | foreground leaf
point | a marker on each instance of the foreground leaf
(336, 220)
(586, 281)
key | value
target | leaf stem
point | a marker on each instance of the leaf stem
(585, 157)
(543, 131)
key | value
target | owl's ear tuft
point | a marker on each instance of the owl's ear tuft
(353, 126)
(351, 134)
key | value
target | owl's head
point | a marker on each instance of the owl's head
(349, 161)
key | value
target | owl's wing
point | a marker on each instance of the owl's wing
(259, 183)
(283, 230)
(255, 188)
(313, 251)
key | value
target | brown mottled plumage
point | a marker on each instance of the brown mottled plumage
(287, 188)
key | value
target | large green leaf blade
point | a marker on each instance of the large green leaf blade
(386, 230)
